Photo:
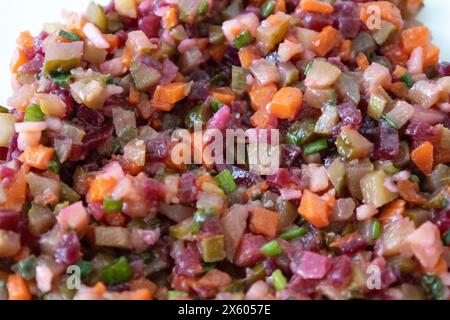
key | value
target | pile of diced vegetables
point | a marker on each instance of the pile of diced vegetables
(87, 178)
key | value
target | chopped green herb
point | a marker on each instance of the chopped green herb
(86, 267)
(34, 113)
(203, 8)
(267, 8)
(174, 294)
(308, 68)
(414, 178)
(433, 285)
(226, 182)
(54, 165)
(375, 230)
(112, 206)
(294, 233)
(446, 238)
(61, 78)
(69, 35)
(129, 134)
(406, 78)
(389, 121)
(315, 146)
(243, 39)
(117, 272)
(278, 280)
(218, 79)
(216, 104)
(271, 249)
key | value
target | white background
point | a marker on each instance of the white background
(21, 15)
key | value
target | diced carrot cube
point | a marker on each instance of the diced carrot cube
(224, 95)
(314, 209)
(414, 37)
(18, 288)
(263, 221)
(286, 102)
(37, 156)
(316, 6)
(326, 40)
(430, 55)
(422, 157)
(261, 96)
(100, 188)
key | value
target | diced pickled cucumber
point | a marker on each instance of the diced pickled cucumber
(40, 219)
(96, 15)
(63, 56)
(327, 121)
(354, 171)
(376, 106)
(301, 132)
(198, 116)
(144, 76)
(7, 122)
(316, 98)
(382, 34)
(213, 249)
(272, 31)
(336, 172)
(352, 145)
(373, 190)
(89, 92)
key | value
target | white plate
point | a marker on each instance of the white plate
(19, 15)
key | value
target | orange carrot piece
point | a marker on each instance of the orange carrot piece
(37, 157)
(316, 6)
(415, 37)
(247, 55)
(127, 56)
(280, 6)
(314, 209)
(430, 55)
(140, 294)
(19, 59)
(261, 96)
(134, 96)
(217, 51)
(171, 92)
(409, 191)
(388, 11)
(422, 157)
(263, 221)
(25, 40)
(394, 209)
(362, 61)
(170, 19)
(345, 49)
(439, 268)
(224, 95)
(113, 41)
(399, 71)
(325, 41)
(262, 119)
(399, 89)
(18, 288)
(100, 188)
(286, 102)
(16, 193)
